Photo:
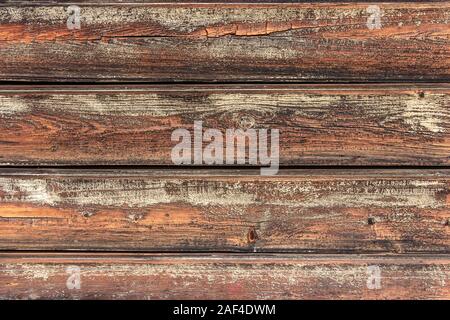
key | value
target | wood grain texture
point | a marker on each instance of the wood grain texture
(170, 210)
(318, 124)
(226, 42)
(191, 277)
(47, 2)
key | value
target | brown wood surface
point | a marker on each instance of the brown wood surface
(47, 2)
(164, 232)
(319, 124)
(76, 276)
(169, 210)
(226, 42)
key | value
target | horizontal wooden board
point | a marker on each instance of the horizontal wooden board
(70, 276)
(47, 2)
(197, 210)
(318, 124)
(227, 42)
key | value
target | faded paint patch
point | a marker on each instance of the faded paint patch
(189, 19)
(144, 193)
(362, 193)
(429, 114)
(120, 193)
(27, 190)
(11, 106)
(318, 277)
(158, 105)
(253, 47)
(182, 19)
(426, 114)
(31, 271)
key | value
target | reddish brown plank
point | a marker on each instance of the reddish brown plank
(318, 124)
(227, 42)
(44, 2)
(197, 210)
(81, 276)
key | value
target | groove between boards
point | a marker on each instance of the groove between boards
(230, 82)
(6, 87)
(231, 252)
(202, 169)
(214, 254)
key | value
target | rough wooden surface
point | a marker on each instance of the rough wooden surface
(319, 124)
(226, 42)
(71, 276)
(296, 211)
(47, 2)
(303, 234)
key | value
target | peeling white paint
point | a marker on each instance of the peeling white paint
(426, 114)
(141, 193)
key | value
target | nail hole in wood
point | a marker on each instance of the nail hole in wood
(252, 236)
(87, 214)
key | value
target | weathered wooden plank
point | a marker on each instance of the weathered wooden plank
(168, 210)
(227, 42)
(318, 124)
(80, 276)
(47, 2)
